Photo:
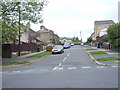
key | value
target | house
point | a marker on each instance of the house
(93, 35)
(30, 36)
(56, 38)
(100, 25)
(65, 39)
(47, 35)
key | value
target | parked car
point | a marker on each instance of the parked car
(57, 49)
(72, 44)
(82, 44)
(66, 45)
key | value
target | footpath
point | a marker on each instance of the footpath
(20, 58)
(109, 52)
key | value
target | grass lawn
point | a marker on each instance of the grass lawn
(97, 53)
(39, 55)
(108, 59)
(91, 49)
(16, 63)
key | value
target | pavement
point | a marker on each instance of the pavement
(109, 52)
(20, 58)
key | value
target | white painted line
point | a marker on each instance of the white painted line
(60, 68)
(59, 64)
(68, 54)
(55, 68)
(100, 66)
(86, 67)
(16, 71)
(64, 59)
(114, 66)
(72, 68)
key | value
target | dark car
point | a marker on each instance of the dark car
(57, 49)
(66, 45)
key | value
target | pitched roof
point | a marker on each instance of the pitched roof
(103, 22)
(43, 31)
(61, 38)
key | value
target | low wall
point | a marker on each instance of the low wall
(9, 49)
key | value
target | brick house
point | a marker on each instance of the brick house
(47, 35)
(100, 25)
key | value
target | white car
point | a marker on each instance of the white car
(82, 43)
(57, 49)
(72, 44)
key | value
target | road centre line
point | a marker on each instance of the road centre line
(64, 59)
(68, 54)
(59, 64)
(72, 68)
(100, 66)
(86, 67)
(55, 68)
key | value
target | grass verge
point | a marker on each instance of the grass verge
(39, 55)
(108, 59)
(16, 63)
(97, 53)
(91, 49)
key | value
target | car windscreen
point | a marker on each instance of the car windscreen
(66, 44)
(57, 47)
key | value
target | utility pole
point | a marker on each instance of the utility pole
(19, 33)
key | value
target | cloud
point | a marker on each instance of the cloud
(69, 17)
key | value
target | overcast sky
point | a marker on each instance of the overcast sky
(68, 17)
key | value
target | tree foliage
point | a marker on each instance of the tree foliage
(75, 39)
(105, 38)
(114, 34)
(89, 40)
(13, 12)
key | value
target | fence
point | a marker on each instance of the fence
(7, 49)
(108, 46)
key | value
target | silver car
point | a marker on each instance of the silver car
(57, 49)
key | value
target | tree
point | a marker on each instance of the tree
(75, 39)
(13, 13)
(89, 40)
(114, 34)
(105, 38)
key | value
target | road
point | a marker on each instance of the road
(72, 69)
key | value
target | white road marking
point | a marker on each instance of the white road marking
(59, 68)
(64, 59)
(100, 66)
(59, 64)
(72, 68)
(55, 68)
(68, 54)
(16, 71)
(114, 66)
(86, 67)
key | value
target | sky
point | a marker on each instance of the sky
(68, 18)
